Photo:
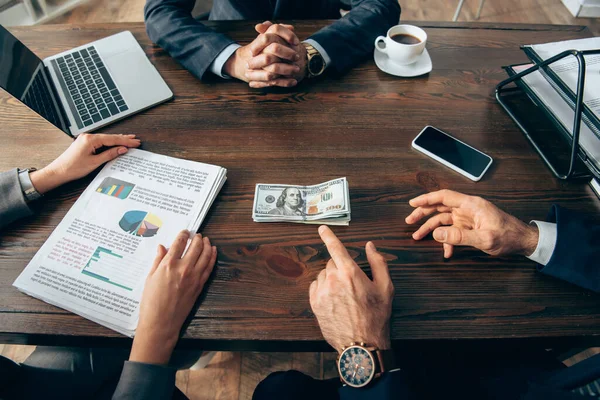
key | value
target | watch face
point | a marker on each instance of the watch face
(356, 366)
(316, 65)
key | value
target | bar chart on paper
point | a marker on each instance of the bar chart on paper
(110, 267)
(115, 188)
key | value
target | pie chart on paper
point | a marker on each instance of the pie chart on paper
(140, 223)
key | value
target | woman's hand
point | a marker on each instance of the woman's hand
(81, 158)
(172, 287)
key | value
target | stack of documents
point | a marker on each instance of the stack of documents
(563, 74)
(326, 203)
(556, 88)
(96, 261)
(595, 185)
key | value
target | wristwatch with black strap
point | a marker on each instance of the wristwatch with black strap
(359, 364)
(315, 64)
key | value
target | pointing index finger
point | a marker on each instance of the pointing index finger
(336, 249)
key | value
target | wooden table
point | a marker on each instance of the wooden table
(359, 126)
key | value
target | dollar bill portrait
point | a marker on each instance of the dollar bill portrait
(290, 203)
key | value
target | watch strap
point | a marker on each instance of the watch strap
(311, 52)
(386, 360)
(29, 191)
(310, 49)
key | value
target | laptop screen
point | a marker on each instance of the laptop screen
(22, 75)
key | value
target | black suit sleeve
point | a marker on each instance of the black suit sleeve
(170, 25)
(145, 382)
(352, 38)
(576, 256)
(391, 385)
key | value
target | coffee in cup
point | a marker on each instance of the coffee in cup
(403, 44)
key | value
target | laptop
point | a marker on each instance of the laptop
(85, 88)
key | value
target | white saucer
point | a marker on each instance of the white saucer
(420, 67)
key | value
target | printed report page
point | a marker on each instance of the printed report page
(96, 260)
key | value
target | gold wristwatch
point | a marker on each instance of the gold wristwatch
(315, 64)
(359, 364)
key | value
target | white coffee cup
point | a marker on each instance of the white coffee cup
(401, 53)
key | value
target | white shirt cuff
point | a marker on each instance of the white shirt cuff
(546, 243)
(216, 67)
(321, 51)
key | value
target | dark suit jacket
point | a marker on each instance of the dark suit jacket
(576, 259)
(169, 24)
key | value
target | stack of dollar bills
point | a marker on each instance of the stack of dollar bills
(326, 203)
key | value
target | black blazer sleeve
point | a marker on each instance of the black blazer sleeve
(392, 385)
(141, 381)
(170, 25)
(576, 256)
(352, 38)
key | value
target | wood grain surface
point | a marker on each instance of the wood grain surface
(360, 126)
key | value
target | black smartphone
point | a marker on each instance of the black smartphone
(453, 153)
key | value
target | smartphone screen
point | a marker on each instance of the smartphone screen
(452, 151)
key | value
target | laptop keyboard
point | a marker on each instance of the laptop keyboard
(91, 93)
(39, 99)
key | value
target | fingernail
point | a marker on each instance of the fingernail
(322, 228)
(415, 236)
(248, 65)
(214, 249)
(131, 136)
(246, 74)
(122, 150)
(297, 57)
(440, 235)
(297, 68)
(294, 82)
(372, 246)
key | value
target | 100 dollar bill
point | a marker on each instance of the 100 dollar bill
(301, 203)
